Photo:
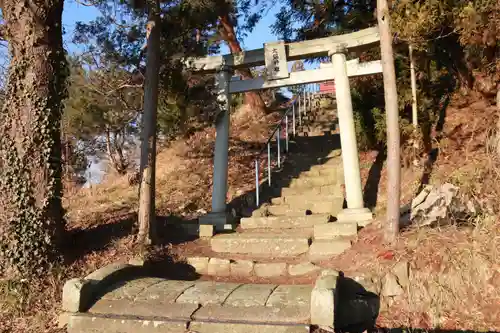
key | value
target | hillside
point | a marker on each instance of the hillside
(457, 267)
(464, 297)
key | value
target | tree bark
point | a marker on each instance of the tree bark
(252, 98)
(414, 107)
(392, 114)
(113, 148)
(147, 214)
(31, 214)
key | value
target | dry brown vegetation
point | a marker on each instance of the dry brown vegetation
(455, 269)
(101, 219)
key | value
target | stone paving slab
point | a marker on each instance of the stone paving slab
(207, 292)
(290, 295)
(270, 269)
(165, 291)
(241, 267)
(302, 269)
(82, 323)
(273, 245)
(156, 308)
(130, 289)
(262, 314)
(149, 305)
(250, 295)
(206, 327)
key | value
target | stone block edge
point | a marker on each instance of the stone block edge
(80, 293)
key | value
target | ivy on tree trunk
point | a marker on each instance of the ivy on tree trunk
(31, 214)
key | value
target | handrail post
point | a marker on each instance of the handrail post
(257, 182)
(286, 132)
(298, 99)
(310, 97)
(269, 163)
(300, 116)
(293, 118)
(304, 101)
(278, 139)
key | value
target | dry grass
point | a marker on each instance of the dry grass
(184, 174)
(455, 269)
(455, 277)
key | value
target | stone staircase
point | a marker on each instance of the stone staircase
(265, 276)
(291, 234)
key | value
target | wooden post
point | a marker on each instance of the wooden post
(392, 114)
(147, 214)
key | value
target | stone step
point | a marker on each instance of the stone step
(317, 133)
(333, 168)
(309, 182)
(318, 190)
(335, 230)
(299, 200)
(317, 128)
(326, 119)
(154, 305)
(323, 249)
(328, 171)
(87, 323)
(225, 266)
(324, 175)
(325, 116)
(261, 244)
(307, 208)
(322, 161)
(283, 222)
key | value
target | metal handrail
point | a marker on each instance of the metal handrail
(305, 102)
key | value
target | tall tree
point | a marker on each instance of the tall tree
(102, 110)
(228, 34)
(31, 218)
(392, 114)
(147, 213)
(186, 30)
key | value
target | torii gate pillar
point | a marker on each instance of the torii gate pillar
(355, 212)
(218, 217)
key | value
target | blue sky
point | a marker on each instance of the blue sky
(74, 12)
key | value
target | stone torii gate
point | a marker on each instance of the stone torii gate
(275, 57)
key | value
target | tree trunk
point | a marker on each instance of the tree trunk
(31, 218)
(392, 112)
(414, 107)
(115, 154)
(252, 98)
(147, 214)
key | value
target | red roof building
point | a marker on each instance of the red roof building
(327, 87)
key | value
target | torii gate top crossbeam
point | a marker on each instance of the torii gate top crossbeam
(294, 51)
